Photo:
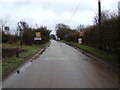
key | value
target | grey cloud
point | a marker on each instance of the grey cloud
(51, 12)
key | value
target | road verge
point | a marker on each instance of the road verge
(12, 64)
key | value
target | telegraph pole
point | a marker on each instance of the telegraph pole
(99, 11)
(99, 20)
(119, 45)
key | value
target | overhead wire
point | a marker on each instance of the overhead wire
(74, 12)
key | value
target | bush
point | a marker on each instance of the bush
(5, 37)
(108, 36)
(73, 36)
(29, 34)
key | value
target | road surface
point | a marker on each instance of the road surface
(62, 66)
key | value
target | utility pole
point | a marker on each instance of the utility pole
(118, 50)
(119, 20)
(99, 20)
(99, 11)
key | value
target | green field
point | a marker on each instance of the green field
(108, 57)
(10, 64)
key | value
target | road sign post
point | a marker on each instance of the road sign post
(80, 40)
(81, 35)
(17, 52)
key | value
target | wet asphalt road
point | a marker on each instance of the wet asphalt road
(62, 66)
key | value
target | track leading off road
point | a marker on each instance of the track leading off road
(62, 66)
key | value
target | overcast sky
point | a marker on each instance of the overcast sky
(51, 12)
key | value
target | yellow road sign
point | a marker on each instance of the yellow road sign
(38, 34)
(81, 34)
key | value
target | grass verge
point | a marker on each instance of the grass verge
(107, 57)
(10, 64)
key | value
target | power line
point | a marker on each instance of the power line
(74, 12)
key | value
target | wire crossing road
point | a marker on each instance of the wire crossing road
(62, 66)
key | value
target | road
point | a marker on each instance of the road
(62, 66)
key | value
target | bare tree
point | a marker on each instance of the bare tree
(80, 27)
(105, 15)
(2, 24)
(21, 26)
